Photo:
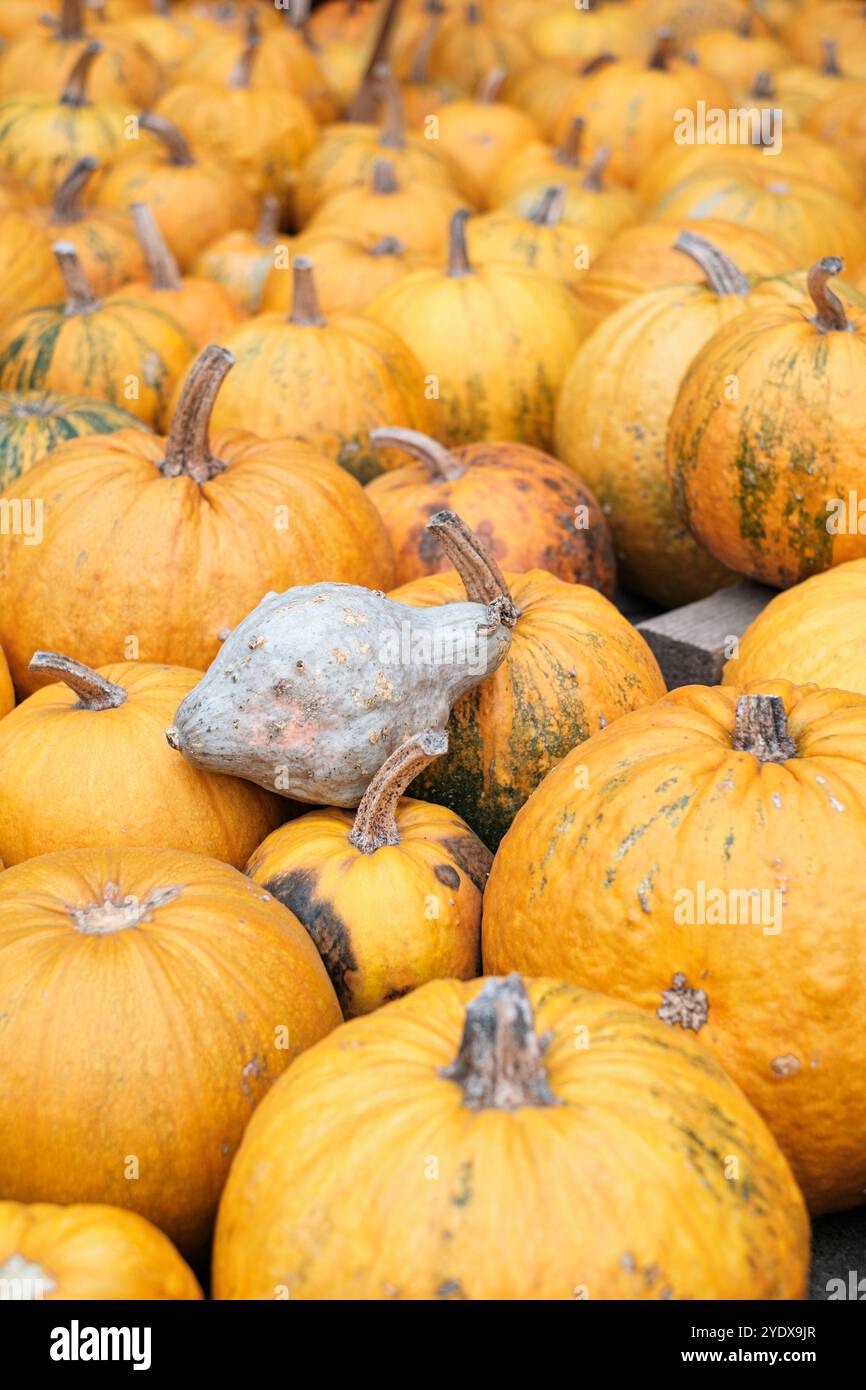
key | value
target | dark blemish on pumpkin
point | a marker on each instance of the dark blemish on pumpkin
(728, 843)
(397, 993)
(445, 874)
(463, 1195)
(471, 856)
(689, 1008)
(628, 1261)
(450, 1288)
(296, 891)
(299, 666)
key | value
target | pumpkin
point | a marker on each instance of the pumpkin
(564, 33)
(496, 338)
(841, 121)
(7, 693)
(705, 831)
(530, 511)
(687, 18)
(124, 72)
(17, 16)
(600, 209)
(480, 137)
(328, 382)
(28, 269)
(840, 21)
(345, 21)
(762, 475)
(14, 195)
(539, 162)
(33, 423)
(469, 44)
(543, 91)
(737, 58)
(646, 257)
(419, 213)
(350, 270)
(423, 95)
(798, 88)
(392, 895)
(62, 748)
(89, 1251)
(574, 665)
(240, 260)
(489, 1087)
(813, 632)
(104, 239)
(169, 34)
(173, 542)
(167, 948)
(539, 240)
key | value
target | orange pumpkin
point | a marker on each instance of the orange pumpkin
(799, 87)
(840, 121)
(543, 91)
(28, 270)
(737, 58)
(166, 948)
(479, 138)
(124, 71)
(539, 240)
(14, 194)
(350, 270)
(174, 542)
(579, 36)
(7, 693)
(170, 34)
(469, 44)
(423, 95)
(346, 21)
(241, 260)
(89, 1252)
(104, 239)
(419, 213)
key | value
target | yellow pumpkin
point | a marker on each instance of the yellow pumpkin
(104, 238)
(124, 71)
(241, 260)
(479, 138)
(418, 213)
(350, 270)
(29, 273)
(541, 239)
(470, 44)
(7, 693)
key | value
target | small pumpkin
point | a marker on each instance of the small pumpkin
(539, 240)
(33, 423)
(574, 665)
(704, 832)
(61, 750)
(596, 206)
(799, 87)
(240, 260)
(490, 1078)
(28, 270)
(528, 509)
(761, 479)
(469, 44)
(104, 238)
(174, 540)
(737, 57)
(125, 71)
(840, 121)
(497, 338)
(89, 1251)
(480, 137)
(344, 21)
(543, 91)
(350, 270)
(392, 895)
(562, 33)
(7, 692)
(169, 33)
(423, 94)
(418, 212)
(103, 945)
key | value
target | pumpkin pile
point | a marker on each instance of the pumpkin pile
(366, 900)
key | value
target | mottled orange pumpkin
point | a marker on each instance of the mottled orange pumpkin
(801, 87)
(538, 240)
(104, 238)
(28, 271)
(543, 91)
(240, 260)
(495, 1140)
(593, 204)
(574, 665)
(350, 270)
(737, 58)
(105, 947)
(125, 71)
(169, 33)
(480, 137)
(565, 33)
(703, 859)
(418, 212)
(89, 1251)
(171, 542)
(14, 193)
(470, 43)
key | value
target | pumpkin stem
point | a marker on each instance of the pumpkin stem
(830, 316)
(601, 60)
(376, 818)
(763, 88)
(305, 300)
(761, 729)
(439, 461)
(388, 246)
(488, 87)
(385, 179)
(568, 151)
(482, 578)
(187, 448)
(548, 210)
(458, 256)
(419, 72)
(473, 14)
(80, 298)
(393, 136)
(71, 25)
(241, 74)
(66, 205)
(500, 1063)
(720, 272)
(164, 274)
(170, 137)
(268, 225)
(830, 66)
(119, 913)
(93, 691)
(364, 103)
(663, 52)
(594, 180)
(75, 90)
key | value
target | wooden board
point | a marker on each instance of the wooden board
(692, 644)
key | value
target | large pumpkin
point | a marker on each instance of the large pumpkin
(574, 665)
(61, 750)
(172, 542)
(88, 1251)
(124, 72)
(495, 1140)
(391, 894)
(173, 991)
(702, 858)
(497, 340)
(762, 474)
(530, 511)
(33, 423)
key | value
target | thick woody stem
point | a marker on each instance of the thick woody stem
(601, 60)
(385, 179)
(80, 298)
(830, 66)
(458, 256)
(548, 210)
(163, 269)
(71, 19)
(500, 1064)
(75, 89)
(438, 460)
(241, 74)
(663, 51)
(721, 274)
(376, 818)
(393, 136)
(488, 87)
(187, 449)
(170, 137)
(419, 72)
(763, 88)
(364, 103)
(388, 246)
(830, 316)
(93, 691)
(761, 729)
(594, 181)
(568, 151)
(268, 225)
(305, 300)
(66, 205)
(482, 578)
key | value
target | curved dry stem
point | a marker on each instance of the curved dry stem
(458, 255)
(830, 316)
(393, 133)
(376, 818)
(161, 265)
(75, 88)
(761, 729)
(305, 300)
(80, 298)
(187, 449)
(482, 578)
(66, 204)
(439, 461)
(500, 1062)
(170, 137)
(547, 212)
(94, 691)
(364, 103)
(721, 273)
(71, 24)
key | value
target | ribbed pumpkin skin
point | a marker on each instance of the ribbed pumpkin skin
(585, 886)
(125, 72)
(574, 665)
(127, 1009)
(418, 213)
(384, 922)
(106, 244)
(61, 788)
(522, 503)
(350, 271)
(28, 271)
(330, 1198)
(813, 632)
(206, 311)
(185, 561)
(41, 139)
(284, 60)
(240, 264)
(91, 1252)
(478, 139)
(34, 423)
(7, 694)
(801, 414)
(344, 158)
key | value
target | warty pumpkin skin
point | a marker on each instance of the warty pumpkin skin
(89, 1251)
(172, 541)
(417, 212)
(125, 71)
(7, 693)
(814, 632)
(530, 511)
(61, 750)
(759, 479)
(480, 1086)
(574, 665)
(240, 260)
(350, 270)
(498, 339)
(702, 858)
(390, 895)
(123, 349)
(28, 270)
(106, 948)
(34, 423)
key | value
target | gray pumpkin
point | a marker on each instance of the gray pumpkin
(318, 686)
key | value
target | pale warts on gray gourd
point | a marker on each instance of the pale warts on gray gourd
(318, 686)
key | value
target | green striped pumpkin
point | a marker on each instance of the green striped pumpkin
(32, 423)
